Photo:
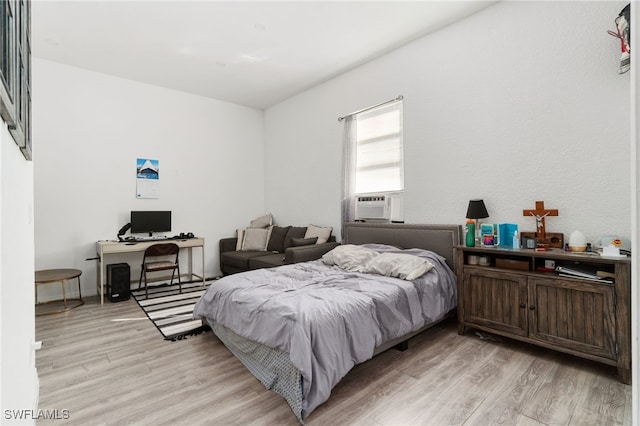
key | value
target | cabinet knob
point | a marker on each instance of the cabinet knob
(522, 305)
(532, 308)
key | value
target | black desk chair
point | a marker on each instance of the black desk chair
(150, 264)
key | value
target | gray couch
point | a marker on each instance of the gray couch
(286, 245)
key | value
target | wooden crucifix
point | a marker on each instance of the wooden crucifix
(539, 214)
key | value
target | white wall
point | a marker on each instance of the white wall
(518, 103)
(18, 376)
(90, 128)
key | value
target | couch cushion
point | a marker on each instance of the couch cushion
(240, 259)
(255, 239)
(294, 232)
(262, 221)
(267, 261)
(323, 234)
(239, 238)
(276, 241)
(298, 242)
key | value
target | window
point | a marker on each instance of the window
(7, 88)
(15, 70)
(379, 152)
(372, 156)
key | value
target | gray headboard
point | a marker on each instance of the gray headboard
(441, 239)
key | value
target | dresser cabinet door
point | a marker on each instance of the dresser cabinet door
(574, 314)
(496, 300)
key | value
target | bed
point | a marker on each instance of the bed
(300, 328)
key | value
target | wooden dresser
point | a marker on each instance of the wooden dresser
(515, 293)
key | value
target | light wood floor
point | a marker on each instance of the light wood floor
(109, 365)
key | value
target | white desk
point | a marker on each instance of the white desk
(105, 248)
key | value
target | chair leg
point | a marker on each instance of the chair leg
(141, 272)
(146, 286)
(173, 273)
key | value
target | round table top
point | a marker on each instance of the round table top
(55, 275)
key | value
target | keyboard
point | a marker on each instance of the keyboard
(144, 239)
(151, 238)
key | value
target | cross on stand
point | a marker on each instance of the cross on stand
(540, 213)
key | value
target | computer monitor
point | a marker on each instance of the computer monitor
(150, 222)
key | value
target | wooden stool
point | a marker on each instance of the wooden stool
(48, 276)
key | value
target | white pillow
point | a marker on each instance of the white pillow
(350, 257)
(256, 239)
(240, 239)
(262, 221)
(323, 234)
(398, 265)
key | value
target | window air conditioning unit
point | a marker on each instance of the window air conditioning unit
(378, 207)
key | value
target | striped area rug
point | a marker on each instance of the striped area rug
(172, 311)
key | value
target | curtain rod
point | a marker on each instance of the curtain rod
(399, 98)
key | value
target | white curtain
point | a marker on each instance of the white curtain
(379, 158)
(348, 170)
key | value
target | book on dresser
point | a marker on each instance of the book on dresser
(563, 271)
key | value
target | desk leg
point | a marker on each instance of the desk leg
(101, 265)
(190, 263)
(203, 277)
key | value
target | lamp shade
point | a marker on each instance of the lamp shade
(477, 210)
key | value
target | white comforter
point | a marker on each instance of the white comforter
(325, 318)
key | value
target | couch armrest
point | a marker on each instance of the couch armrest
(307, 253)
(228, 244)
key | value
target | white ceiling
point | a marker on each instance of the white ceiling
(249, 53)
